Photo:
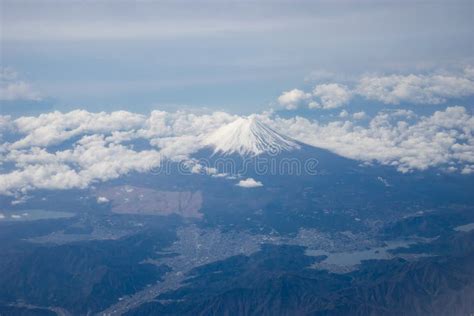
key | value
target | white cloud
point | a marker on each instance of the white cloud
(468, 169)
(91, 159)
(344, 114)
(442, 138)
(324, 96)
(47, 176)
(56, 127)
(249, 183)
(417, 89)
(330, 96)
(387, 89)
(102, 200)
(403, 113)
(292, 99)
(98, 144)
(12, 89)
(359, 115)
(18, 91)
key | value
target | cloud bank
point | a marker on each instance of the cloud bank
(397, 138)
(76, 149)
(425, 89)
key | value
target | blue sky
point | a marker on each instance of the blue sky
(233, 56)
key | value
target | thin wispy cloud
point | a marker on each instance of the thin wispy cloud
(138, 54)
(13, 88)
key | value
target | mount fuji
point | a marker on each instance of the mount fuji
(249, 137)
(252, 145)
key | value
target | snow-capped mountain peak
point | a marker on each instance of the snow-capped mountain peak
(247, 136)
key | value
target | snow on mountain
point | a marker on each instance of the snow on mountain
(247, 136)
